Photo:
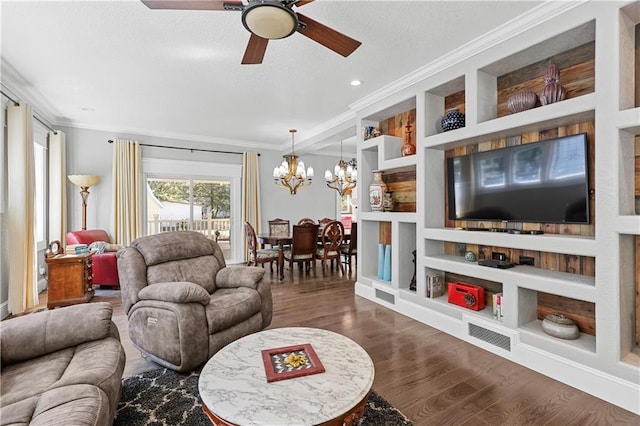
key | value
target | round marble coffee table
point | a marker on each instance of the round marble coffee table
(234, 389)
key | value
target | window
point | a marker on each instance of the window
(40, 164)
(206, 200)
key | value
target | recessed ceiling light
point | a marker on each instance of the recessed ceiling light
(356, 82)
(88, 109)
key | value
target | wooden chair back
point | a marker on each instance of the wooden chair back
(353, 239)
(304, 239)
(279, 227)
(306, 220)
(331, 242)
(252, 242)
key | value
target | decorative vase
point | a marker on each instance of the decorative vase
(387, 202)
(386, 272)
(558, 325)
(407, 147)
(452, 120)
(522, 101)
(377, 190)
(470, 256)
(553, 91)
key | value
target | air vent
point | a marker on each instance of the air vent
(382, 295)
(490, 336)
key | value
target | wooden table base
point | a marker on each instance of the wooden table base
(349, 418)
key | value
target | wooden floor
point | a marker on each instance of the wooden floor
(432, 377)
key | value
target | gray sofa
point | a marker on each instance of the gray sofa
(61, 367)
(182, 301)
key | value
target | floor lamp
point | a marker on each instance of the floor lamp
(84, 182)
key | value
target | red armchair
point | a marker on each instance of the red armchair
(105, 267)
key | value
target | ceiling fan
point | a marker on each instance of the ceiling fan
(268, 20)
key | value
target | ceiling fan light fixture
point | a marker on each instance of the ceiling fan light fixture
(270, 20)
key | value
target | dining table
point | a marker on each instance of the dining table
(282, 240)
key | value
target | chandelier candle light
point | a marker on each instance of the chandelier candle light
(84, 182)
(291, 173)
(346, 175)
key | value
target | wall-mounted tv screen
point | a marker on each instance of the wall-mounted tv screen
(544, 181)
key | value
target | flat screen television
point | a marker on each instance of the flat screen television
(544, 181)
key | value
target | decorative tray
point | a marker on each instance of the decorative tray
(291, 361)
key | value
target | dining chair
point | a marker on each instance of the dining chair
(306, 220)
(331, 241)
(303, 246)
(350, 248)
(279, 227)
(259, 256)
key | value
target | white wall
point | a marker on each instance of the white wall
(88, 152)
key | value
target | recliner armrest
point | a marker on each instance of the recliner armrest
(239, 276)
(176, 292)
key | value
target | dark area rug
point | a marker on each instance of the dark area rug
(164, 397)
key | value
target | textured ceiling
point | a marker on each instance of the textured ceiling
(119, 66)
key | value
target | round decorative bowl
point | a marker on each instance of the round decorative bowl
(521, 101)
(558, 325)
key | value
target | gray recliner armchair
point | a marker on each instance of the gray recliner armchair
(182, 301)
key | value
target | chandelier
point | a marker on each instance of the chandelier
(291, 173)
(346, 175)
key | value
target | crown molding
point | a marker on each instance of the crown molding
(11, 81)
(342, 126)
(186, 137)
(547, 10)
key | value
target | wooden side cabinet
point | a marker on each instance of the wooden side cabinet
(70, 280)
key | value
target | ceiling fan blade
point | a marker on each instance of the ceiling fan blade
(302, 2)
(328, 37)
(255, 50)
(190, 4)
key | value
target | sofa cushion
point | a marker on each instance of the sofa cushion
(200, 270)
(78, 405)
(229, 307)
(166, 246)
(33, 335)
(40, 373)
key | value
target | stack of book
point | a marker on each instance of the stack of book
(435, 286)
(74, 249)
(497, 306)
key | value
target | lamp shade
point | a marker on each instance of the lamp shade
(84, 181)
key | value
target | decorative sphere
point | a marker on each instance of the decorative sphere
(452, 120)
(470, 256)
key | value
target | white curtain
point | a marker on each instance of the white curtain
(250, 193)
(57, 187)
(128, 192)
(21, 219)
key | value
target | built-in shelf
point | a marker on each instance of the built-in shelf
(558, 114)
(556, 243)
(603, 301)
(532, 333)
(561, 283)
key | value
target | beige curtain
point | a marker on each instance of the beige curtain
(250, 193)
(23, 288)
(126, 218)
(57, 187)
